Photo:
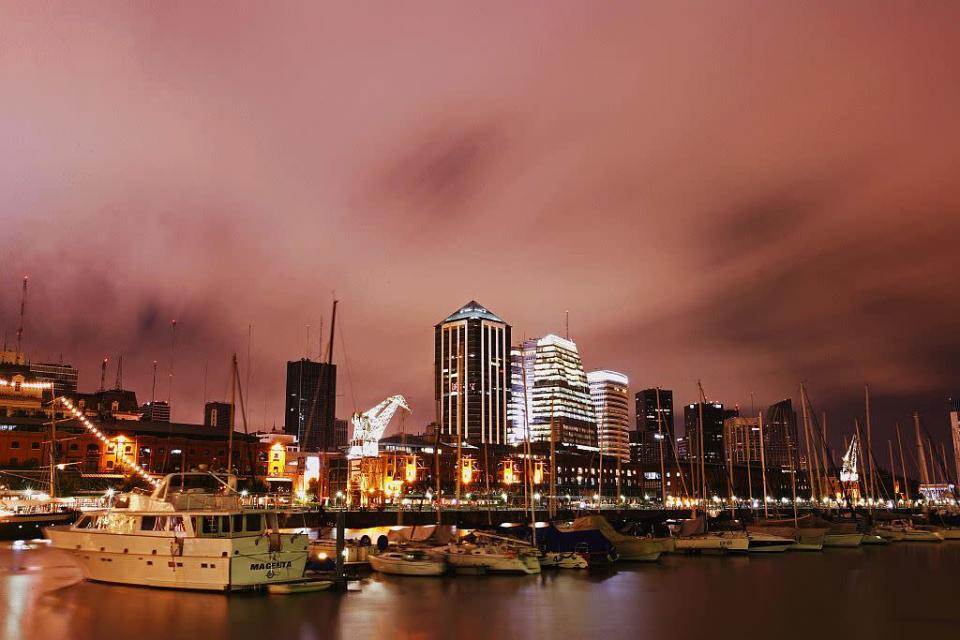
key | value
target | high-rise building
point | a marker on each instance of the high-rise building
(472, 375)
(741, 439)
(712, 430)
(217, 414)
(521, 390)
(557, 394)
(611, 406)
(646, 440)
(955, 431)
(780, 435)
(311, 404)
(156, 411)
(62, 376)
(647, 402)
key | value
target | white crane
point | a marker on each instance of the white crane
(848, 472)
(368, 427)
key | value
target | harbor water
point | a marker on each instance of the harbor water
(897, 591)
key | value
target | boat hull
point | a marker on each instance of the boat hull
(210, 564)
(843, 540)
(708, 543)
(407, 568)
(920, 535)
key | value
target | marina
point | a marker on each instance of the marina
(837, 593)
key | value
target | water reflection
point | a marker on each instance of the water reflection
(896, 591)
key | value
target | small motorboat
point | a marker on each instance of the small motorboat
(805, 537)
(410, 562)
(909, 533)
(305, 586)
(714, 541)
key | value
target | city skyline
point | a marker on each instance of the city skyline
(786, 216)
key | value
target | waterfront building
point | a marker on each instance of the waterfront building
(311, 405)
(22, 394)
(712, 430)
(521, 364)
(780, 435)
(217, 414)
(63, 377)
(741, 439)
(112, 404)
(472, 375)
(608, 390)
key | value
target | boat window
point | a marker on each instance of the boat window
(224, 524)
(85, 522)
(253, 522)
(209, 524)
(238, 523)
(148, 523)
(175, 523)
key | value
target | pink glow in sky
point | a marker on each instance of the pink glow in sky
(750, 193)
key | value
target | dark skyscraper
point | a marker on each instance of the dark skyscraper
(646, 447)
(780, 435)
(712, 431)
(217, 414)
(472, 374)
(311, 404)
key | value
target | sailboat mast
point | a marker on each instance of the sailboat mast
(552, 500)
(893, 473)
(763, 465)
(903, 467)
(703, 468)
(863, 463)
(869, 461)
(921, 454)
(53, 443)
(814, 490)
(233, 411)
(663, 476)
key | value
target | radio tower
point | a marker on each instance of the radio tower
(23, 308)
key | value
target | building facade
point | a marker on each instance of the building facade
(712, 431)
(311, 404)
(780, 436)
(556, 394)
(63, 377)
(608, 390)
(741, 440)
(217, 414)
(472, 375)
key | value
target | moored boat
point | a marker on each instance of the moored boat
(190, 533)
(760, 542)
(408, 562)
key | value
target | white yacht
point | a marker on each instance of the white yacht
(190, 533)
(409, 562)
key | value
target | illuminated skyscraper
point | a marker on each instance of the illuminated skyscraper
(608, 390)
(472, 375)
(557, 393)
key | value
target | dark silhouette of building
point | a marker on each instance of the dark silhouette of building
(712, 430)
(780, 435)
(156, 411)
(645, 442)
(62, 376)
(217, 414)
(311, 404)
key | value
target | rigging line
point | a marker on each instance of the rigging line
(346, 362)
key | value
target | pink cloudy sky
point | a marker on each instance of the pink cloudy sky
(749, 193)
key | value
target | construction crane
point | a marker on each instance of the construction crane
(368, 427)
(848, 472)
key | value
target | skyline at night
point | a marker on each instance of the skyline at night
(783, 213)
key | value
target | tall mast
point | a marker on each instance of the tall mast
(863, 463)
(460, 405)
(893, 473)
(903, 467)
(814, 489)
(233, 411)
(153, 388)
(763, 465)
(703, 467)
(23, 308)
(553, 448)
(869, 461)
(527, 471)
(921, 454)
(663, 475)
(333, 324)
(53, 443)
(118, 385)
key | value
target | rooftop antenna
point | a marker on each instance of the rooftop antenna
(119, 383)
(206, 364)
(153, 387)
(103, 375)
(308, 344)
(23, 307)
(567, 313)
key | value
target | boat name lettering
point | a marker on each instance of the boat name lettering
(263, 566)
